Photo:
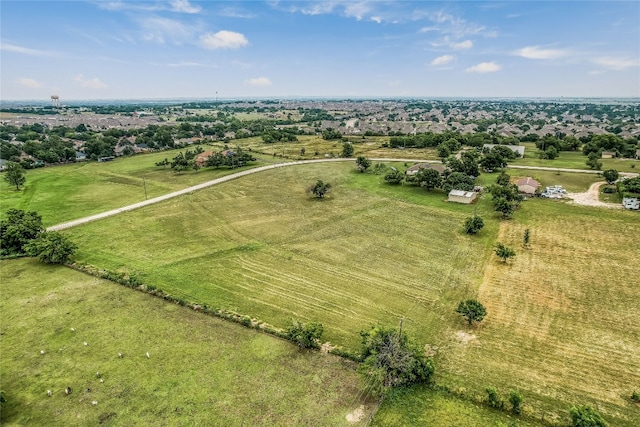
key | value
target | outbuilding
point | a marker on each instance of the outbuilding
(413, 170)
(461, 196)
(528, 186)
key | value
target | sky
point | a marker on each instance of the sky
(81, 50)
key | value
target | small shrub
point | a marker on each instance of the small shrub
(635, 396)
(493, 398)
(473, 225)
(306, 335)
(515, 398)
(586, 416)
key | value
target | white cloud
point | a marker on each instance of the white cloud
(231, 12)
(357, 10)
(443, 60)
(185, 64)
(376, 19)
(484, 67)
(160, 29)
(24, 50)
(180, 6)
(466, 44)
(258, 81)
(30, 83)
(223, 40)
(93, 83)
(184, 6)
(616, 63)
(535, 52)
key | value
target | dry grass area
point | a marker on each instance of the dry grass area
(562, 316)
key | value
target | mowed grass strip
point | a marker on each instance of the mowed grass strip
(67, 192)
(264, 247)
(562, 316)
(201, 370)
(421, 406)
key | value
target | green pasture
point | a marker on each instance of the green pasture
(200, 371)
(264, 247)
(62, 193)
(573, 160)
(421, 406)
(560, 326)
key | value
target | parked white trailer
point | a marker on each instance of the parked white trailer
(632, 203)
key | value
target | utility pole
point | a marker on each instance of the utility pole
(144, 182)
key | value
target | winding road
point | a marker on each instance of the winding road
(233, 176)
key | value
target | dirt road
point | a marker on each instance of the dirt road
(590, 197)
(304, 162)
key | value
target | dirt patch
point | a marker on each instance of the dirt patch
(357, 415)
(327, 347)
(465, 337)
(430, 350)
(590, 197)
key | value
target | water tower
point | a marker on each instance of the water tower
(55, 101)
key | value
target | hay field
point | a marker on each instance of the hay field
(562, 323)
(201, 370)
(367, 253)
(561, 317)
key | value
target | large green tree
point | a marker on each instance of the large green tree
(390, 360)
(14, 174)
(610, 175)
(394, 176)
(363, 163)
(347, 149)
(18, 229)
(472, 310)
(320, 188)
(51, 247)
(428, 178)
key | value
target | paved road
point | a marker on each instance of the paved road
(261, 169)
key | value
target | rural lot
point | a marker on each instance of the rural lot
(561, 325)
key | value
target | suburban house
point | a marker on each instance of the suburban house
(638, 153)
(528, 186)
(515, 148)
(202, 157)
(81, 156)
(416, 168)
(461, 196)
(3, 164)
(608, 154)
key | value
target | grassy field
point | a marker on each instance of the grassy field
(574, 160)
(375, 253)
(421, 406)
(269, 250)
(62, 193)
(201, 370)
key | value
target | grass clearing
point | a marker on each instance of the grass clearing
(271, 251)
(201, 370)
(67, 192)
(573, 160)
(374, 253)
(421, 406)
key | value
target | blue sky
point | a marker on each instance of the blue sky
(195, 49)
